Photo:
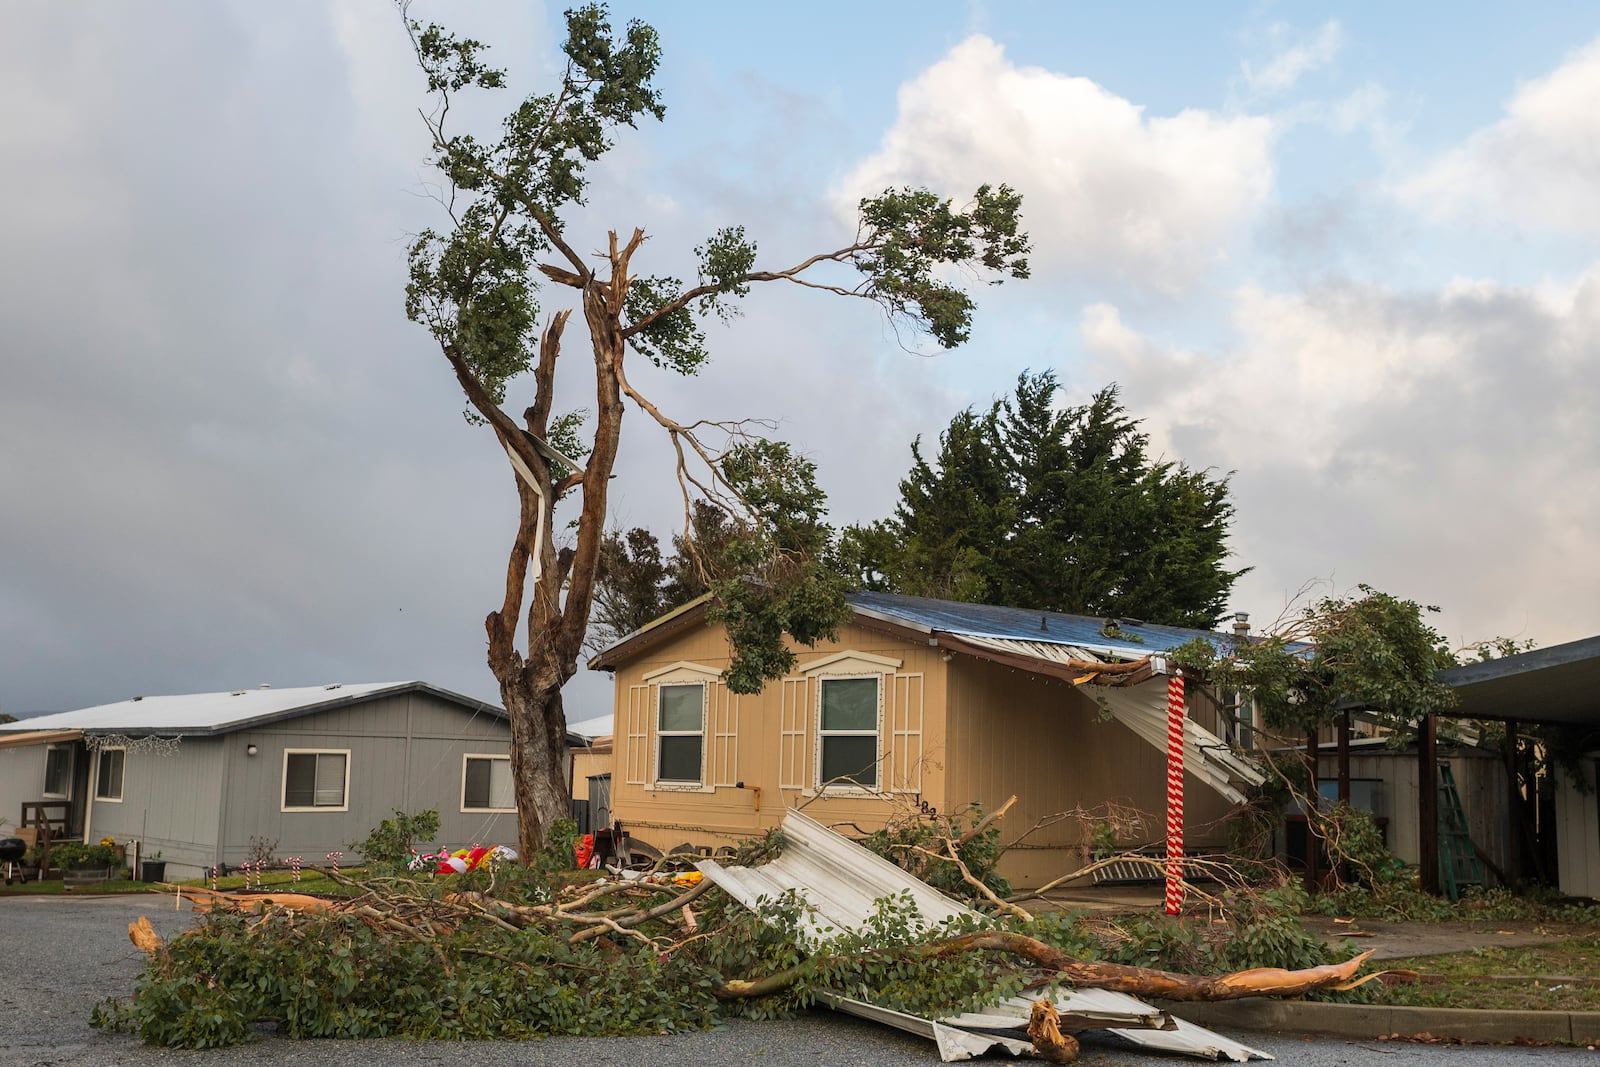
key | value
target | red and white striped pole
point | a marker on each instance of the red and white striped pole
(1175, 793)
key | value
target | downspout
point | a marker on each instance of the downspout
(222, 800)
(88, 794)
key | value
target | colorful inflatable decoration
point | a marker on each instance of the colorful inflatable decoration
(463, 860)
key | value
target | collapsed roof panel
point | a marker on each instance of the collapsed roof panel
(840, 883)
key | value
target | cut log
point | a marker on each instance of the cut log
(208, 899)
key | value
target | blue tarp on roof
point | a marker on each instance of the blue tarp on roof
(1134, 639)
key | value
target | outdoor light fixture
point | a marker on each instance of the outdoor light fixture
(249, 750)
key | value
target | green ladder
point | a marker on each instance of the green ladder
(1458, 860)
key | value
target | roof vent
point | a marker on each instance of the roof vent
(264, 685)
(138, 698)
(237, 693)
(1044, 622)
(335, 685)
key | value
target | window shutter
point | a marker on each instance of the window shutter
(794, 746)
(722, 714)
(905, 733)
(640, 708)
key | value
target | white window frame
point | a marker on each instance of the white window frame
(99, 769)
(657, 733)
(849, 788)
(468, 757)
(44, 790)
(283, 781)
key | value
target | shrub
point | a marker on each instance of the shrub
(392, 842)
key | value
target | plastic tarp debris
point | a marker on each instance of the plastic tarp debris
(840, 883)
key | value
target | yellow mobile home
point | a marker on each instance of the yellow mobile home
(919, 706)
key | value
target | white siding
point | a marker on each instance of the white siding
(1578, 836)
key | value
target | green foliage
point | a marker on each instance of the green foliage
(1029, 505)
(910, 233)
(334, 976)
(393, 841)
(774, 575)
(917, 846)
(1371, 651)
(77, 856)
(474, 287)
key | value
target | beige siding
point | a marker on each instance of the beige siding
(1578, 836)
(589, 763)
(1044, 741)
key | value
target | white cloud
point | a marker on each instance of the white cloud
(1107, 190)
(1283, 70)
(1436, 445)
(1537, 166)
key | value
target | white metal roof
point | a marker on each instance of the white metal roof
(841, 882)
(203, 713)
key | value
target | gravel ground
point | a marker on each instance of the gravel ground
(64, 954)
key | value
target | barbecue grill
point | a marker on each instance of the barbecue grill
(12, 849)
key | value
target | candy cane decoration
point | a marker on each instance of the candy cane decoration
(1175, 718)
(213, 877)
(294, 865)
(333, 858)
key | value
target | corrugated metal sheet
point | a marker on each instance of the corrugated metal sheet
(1026, 624)
(1143, 709)
(841, 882)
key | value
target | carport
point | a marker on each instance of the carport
(1557, 686)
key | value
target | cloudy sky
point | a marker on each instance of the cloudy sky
(1354, 258)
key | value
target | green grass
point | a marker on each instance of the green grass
(1536, 977)
(312, 882)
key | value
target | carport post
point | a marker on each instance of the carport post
(1174, 866)
(1428, 804)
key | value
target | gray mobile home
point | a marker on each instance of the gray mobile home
(197, 777)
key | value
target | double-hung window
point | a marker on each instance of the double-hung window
(108, 779)
(680, 734)
(486, 784)
(847, 732)
(316, 780)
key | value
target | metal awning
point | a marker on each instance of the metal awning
(1143, 709)
(1558, 685)
(39, 737)
(841, 882)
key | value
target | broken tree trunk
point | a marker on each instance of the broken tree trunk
(1138, 981)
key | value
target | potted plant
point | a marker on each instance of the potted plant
(83, 864)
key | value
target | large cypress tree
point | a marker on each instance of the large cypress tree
(1033, 505)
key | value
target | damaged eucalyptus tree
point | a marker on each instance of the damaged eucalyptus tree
(478, 284)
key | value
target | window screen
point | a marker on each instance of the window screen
(108, 786)
(488, 784)
(680, 733)
(314, 780)
(848, 732)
